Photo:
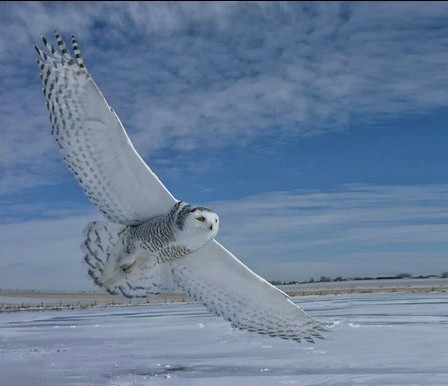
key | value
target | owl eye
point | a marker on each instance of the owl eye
(200, 218)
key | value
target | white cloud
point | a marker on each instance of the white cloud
(227, 74)
(182, 74)
(356, 230)
(348, 231)
(44, 254)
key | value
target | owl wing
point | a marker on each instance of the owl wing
(93, 141)
(215, 277)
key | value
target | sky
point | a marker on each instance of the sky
(317, 131)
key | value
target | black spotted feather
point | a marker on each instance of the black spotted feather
(93, 142)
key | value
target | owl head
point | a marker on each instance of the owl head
(195, 225)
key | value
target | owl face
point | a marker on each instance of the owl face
(196, 226)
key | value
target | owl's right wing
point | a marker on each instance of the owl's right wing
(94, 143)
(216, 278)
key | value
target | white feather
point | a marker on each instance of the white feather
(215, 277)
(95, 145)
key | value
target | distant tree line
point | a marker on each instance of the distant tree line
(326, 279)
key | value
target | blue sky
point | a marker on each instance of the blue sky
(316, 130)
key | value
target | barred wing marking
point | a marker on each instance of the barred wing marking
(215, 277)
(94, 143)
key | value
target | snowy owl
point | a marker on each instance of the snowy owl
(151, 242)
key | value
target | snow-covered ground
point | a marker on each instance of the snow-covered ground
(376, 339)
(374, 285)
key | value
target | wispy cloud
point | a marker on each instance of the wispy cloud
(348, 231)
(192, 77)
(355, 230)
(44, 254)
(181, 75)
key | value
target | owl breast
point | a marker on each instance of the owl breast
(184, 229)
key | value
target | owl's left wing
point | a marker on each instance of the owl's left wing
(94, 143)
(216, 278)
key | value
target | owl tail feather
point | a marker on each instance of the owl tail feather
(104, 247)
(112, 268)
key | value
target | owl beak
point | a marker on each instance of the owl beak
(211, 227)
